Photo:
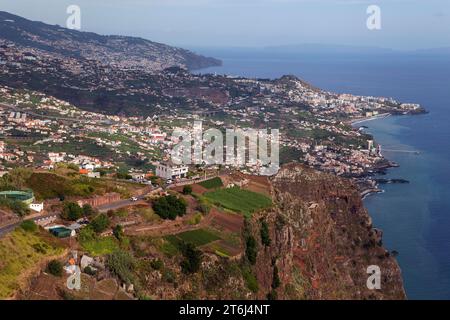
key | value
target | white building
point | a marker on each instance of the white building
(38, 207)
(169, 170)
(56, 157)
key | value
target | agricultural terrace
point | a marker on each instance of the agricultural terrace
(239, 200)
(213, 183)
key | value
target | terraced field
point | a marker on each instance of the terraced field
(239, 200)
(197, 237)
(213, 183)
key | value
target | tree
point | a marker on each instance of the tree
(100, 223)
(71, 211)
(19, 176)
(187, 190)
(265, 235)
(276, 282)
(250, 249)
(55, 268)
(29, 226)
(118, 232)
(192, 258)
(19, 208)
(170, 207)
(88, 210)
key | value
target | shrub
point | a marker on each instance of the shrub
(122, 264)
(250, 280)
(118, 232)
(276, 282)
(18, 207)
(100, 223)
(29, 226)
(204, 207)
(265, 235)
(170, 207)
(87, 234)
(71, 211)
(55, 268)
(192, 258)
(88, 210)
(157, 264)
(250, 249)
(187, 190)
(196, 219)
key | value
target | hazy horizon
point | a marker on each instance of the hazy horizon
(406, 24)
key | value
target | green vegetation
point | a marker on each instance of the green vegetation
(122, 264)
(71, 211)
(100, 223)
(251, 250)
(55, 268)
(95, 245)
(239, 200)
(250, 279)
(170, 207)
(213, 183)
(265, 235)
(187, 190)
(203, 204)
(197, 237)
(276, 282)
(21, 251)
(118, 232)
(196, 219)
(48, 185)
(157, 264)
(192, 258)
(29, 226)
(16, 206)
(15, 179)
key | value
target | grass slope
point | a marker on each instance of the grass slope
(21, 251)
(239, 200)
(213, 183)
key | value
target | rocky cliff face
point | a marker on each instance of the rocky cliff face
(322, 243)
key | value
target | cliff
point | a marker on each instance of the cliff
(322, 241)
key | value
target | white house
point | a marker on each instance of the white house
(169, 170)
(38, 207)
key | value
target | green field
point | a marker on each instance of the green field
(100, 246)
(213, 183)
(21, 251)
(239, 200)
(197, 237)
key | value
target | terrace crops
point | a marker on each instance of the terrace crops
(239, 200)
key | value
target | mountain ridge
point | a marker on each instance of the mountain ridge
(104, 48)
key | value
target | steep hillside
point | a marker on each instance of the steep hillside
(119, 51)
(322, 241)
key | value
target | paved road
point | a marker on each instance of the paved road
(7, 229)
(121, 204)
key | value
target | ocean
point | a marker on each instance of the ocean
(415, 217)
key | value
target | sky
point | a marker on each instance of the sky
(405, 24)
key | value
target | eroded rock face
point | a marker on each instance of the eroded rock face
(322, 241)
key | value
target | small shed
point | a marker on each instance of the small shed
(61, 232)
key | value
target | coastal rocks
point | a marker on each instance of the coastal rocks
(322, 241)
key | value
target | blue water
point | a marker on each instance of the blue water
(415, 218)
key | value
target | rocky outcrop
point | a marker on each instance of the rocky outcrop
(322, 241)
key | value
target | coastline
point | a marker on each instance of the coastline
(367, 184)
